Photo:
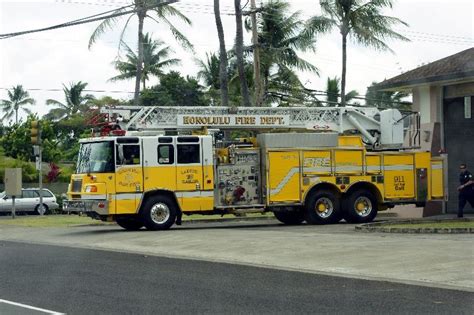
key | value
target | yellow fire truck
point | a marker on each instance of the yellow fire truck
(152, 165)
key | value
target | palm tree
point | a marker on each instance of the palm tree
(209, 71)
(386, 99)
(333, 92)
(75, 102)
(144, 9)
(154, 60)
(360, 19)
(280, 36)
(223, 83)
(239, 52)
(17, 97)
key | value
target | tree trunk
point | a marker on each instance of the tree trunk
(256, 57)
(239, 51)
(16, 116)
(141, 18)
(343, 76)
(222, 57)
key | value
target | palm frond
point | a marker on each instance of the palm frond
(104, 26)
(56, 103)
(180, 37)
(122, 34)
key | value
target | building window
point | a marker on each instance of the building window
(165, 154)
(188, 153)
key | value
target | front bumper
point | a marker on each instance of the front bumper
(101, 207)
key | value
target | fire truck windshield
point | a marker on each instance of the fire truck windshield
(96, 157)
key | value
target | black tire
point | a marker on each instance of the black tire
(292, 217)
(322, 207)
(359, 206)
(159, 213)
(129, 224)
(37, 211)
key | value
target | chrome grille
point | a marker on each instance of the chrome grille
(76, 185)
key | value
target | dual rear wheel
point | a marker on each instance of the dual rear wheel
(325, 207)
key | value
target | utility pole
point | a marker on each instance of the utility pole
(37, 150)
(256, 55)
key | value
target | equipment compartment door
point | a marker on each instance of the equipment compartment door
(283, 176)
(437, 179)
(399, 176)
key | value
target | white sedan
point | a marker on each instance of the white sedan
(29, 201)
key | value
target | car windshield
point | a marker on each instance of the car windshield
(96, 157)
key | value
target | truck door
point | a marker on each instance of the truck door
(129, 175)
(194, 173)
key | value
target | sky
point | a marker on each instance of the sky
(43, 62)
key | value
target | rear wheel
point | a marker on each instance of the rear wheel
(291, 216)
(159, 213)
(129, 224)
(322, 207)
(360, 207)
(41, 209)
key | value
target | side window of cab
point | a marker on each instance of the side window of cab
(128, 154)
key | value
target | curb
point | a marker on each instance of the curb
(384, 227)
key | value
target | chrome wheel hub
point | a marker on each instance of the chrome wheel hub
(160, 213)
(363, 206)
(324, 207)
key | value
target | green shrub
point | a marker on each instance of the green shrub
(65, 175)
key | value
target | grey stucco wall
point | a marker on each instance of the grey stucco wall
(459, 143)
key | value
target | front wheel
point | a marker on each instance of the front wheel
(322, 207)
(360, 207)
(129, 224)
(292, 217)
(159, 213)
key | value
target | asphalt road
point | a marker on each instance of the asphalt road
(83, 281)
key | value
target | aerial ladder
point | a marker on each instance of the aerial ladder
(380, 129)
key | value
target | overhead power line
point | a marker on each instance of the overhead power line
(89, 19)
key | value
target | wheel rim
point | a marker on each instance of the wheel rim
(41, 209)
(160, 213)
(324, 207)
(363, 206)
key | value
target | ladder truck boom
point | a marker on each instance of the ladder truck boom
(380, 128)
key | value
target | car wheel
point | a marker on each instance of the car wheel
(322, 207)
(360, 207)
(159, 213)
(292, 217)
(129, 224)
(43, 209)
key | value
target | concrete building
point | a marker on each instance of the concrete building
(443, 94)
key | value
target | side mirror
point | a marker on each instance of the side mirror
(5, 197)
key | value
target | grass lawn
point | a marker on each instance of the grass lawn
(74, 220)
(438, 225)
(48, 220)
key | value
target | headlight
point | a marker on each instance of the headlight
(91, 188)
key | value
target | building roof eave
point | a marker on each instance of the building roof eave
(410, 84)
